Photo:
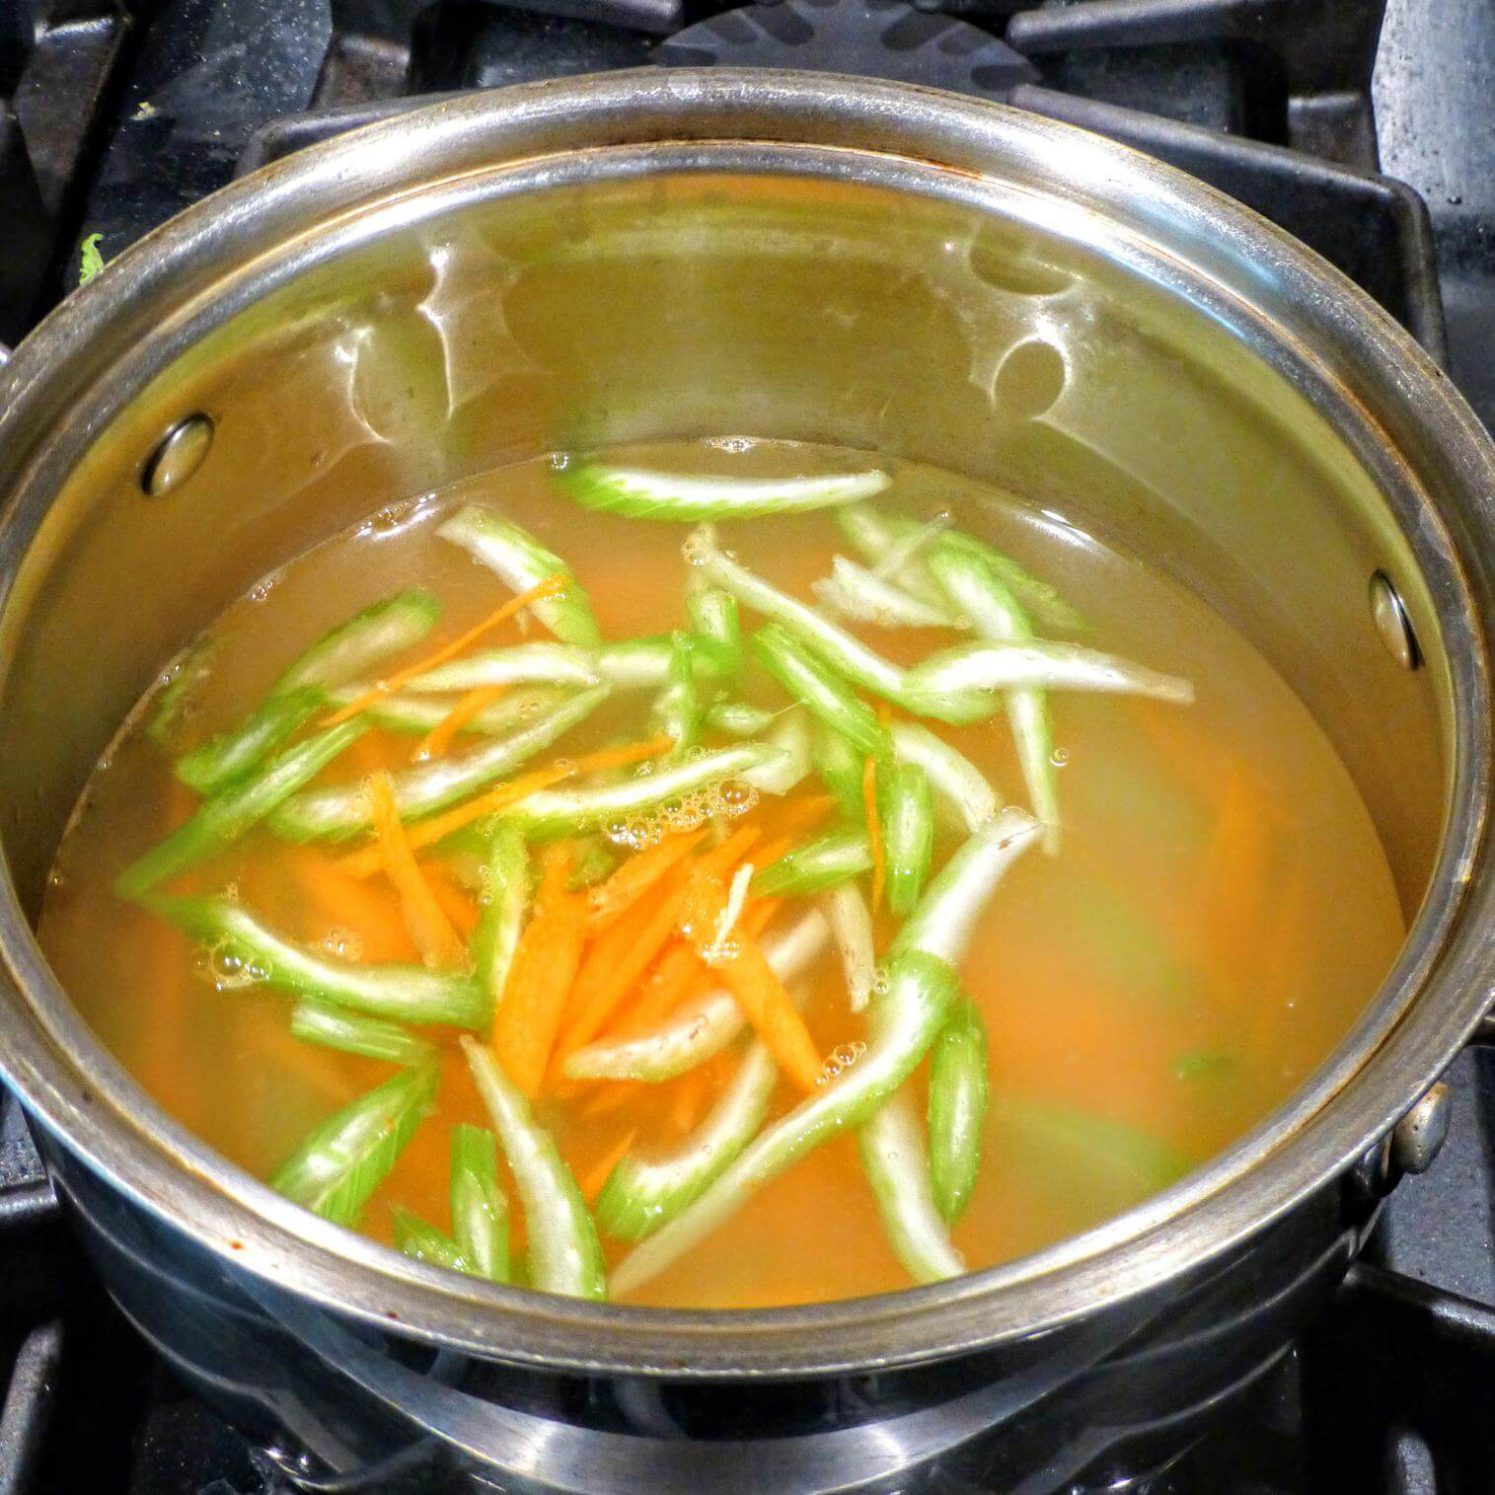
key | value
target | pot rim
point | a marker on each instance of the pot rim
(1321, 326)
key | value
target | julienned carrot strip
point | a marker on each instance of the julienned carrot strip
(1233, 884)
(540, 979)
(674, 974)
(613, 898)
(624, 754)
(598, 1174)
(720, 860)
(874, 830)
(744, 970)
(615, 963)
(376, 692)
(622, 955)
(803, 814)
(680, 973)
(429, 927)
(455, 903)
(439, 738)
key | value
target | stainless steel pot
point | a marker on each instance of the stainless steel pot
(677, 253)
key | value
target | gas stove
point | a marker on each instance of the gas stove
(114, 114)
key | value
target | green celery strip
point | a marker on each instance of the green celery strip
(897, 541)
(480, 1209)
(790, 734)
(234, 811)
(407, 993)
(851, 926)
(821, 690)
(642, 493)
(521, 561)
(417, 715)
(946, 916)
(713, 615)
(845, 654)
(542, 663)
(839, 766)
(906, 811)
(677, 709)
(968, 669)
(858, 595)
(383, 629)
(958, 1100)
(342, 1162)
(739, 718)
(997, 615)
(504, 892)
(894, 1159)
(824, 863)
(644, 1193)
(424, 1242)
(343, 811)
(334, 1027)
(564, 1254)
(563, 812)
(643, 663)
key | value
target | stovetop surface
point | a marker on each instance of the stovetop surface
(118, 113)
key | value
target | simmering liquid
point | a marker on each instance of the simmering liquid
(1217, 915)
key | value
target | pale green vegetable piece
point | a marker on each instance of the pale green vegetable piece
(642, 493)
(334, 1027)
(644, 1192)
(521, 561)
(893, 1158)
(997, 615)
(563, 812)
(958, 1098)
(564, 1255)
(480, 1210)
(343, 811)
(961, 790)
(946, 916)
(249, 954)
(539, 663)
(349, 1155)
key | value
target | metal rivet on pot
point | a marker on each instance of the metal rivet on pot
(179, 455)
(1417, 1137)
(1392, 622)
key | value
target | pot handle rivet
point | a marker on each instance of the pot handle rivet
(1418, 1136)
(177, 456)
(1389, 613)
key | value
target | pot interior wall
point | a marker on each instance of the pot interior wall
(983, 338)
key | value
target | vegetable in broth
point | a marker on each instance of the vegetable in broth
(621, 880)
